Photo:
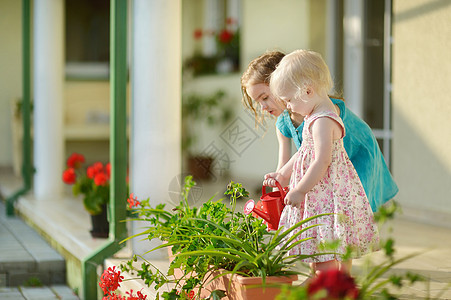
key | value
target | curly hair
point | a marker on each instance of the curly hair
(258, 71)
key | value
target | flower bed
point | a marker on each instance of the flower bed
(214, 245)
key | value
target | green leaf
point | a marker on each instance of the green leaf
(389, 247)
(216, 295)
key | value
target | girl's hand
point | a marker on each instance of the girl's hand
(271, 178)
(294, 198)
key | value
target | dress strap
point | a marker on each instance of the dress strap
(326, 114)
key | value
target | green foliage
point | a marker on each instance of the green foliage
(216, 295)
(214, 237)
(33, 282)
(95, 196)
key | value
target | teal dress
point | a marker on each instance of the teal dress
(362, 149)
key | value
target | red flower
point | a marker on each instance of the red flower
(139, 295)
(225, 36)
(110, 281)
(75, 160)
(94, 169)
(230, 21)
(114, 297)
(191, 294)
(133, 201)
(100, 178)
(338, 285)
(108, 170)
(198, 34)
(69, 176)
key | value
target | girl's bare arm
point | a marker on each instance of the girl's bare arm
(324, 132)
(284, 149)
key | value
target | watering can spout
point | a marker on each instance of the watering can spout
(250, 207)
(270, 208)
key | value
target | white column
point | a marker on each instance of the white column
(353, 55)
(212, 23)
(48, 97)
(331, 45)
(233, 14)
(156, 103)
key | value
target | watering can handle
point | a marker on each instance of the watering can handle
(282, 191)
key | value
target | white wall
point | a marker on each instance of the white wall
(269, 24)
(10, 71)
(422, 107)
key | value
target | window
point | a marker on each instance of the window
(87, 39)
(215, 40)
(377, 76)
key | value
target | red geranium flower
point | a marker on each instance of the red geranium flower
(108, 170)
(225, 36)
(69, 176)
(110, 280)
(100, 178)
(75, 160)
(133, 201)
(191, 294)
(230, 21)
(114, 297)
(338, 285)
(139, 295)
(198, 34)
(94, 169)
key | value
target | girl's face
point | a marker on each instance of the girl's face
(261, 94)
(300, 104)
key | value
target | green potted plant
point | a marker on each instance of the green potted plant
(94, 184)
(212, 110)
(214, 245)
(227, 56)
(216, 249)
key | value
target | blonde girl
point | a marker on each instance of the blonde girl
(320, 175)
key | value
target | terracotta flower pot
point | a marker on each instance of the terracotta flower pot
(239, 287)
(200, 167)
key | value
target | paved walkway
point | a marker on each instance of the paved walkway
(433, 246)
(27, 260)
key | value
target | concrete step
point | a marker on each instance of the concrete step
(25, 257)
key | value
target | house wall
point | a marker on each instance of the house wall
(422, 107)
(268, 25)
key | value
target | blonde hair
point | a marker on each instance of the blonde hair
(258, 71)
(298, 70)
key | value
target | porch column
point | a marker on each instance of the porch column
(353, 55)
(48, 98)
(212, 21)
(156, 103)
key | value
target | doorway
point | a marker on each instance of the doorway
(367, 65)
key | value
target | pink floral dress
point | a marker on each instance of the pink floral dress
(340, 192)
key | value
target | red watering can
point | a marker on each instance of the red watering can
(271, 206)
